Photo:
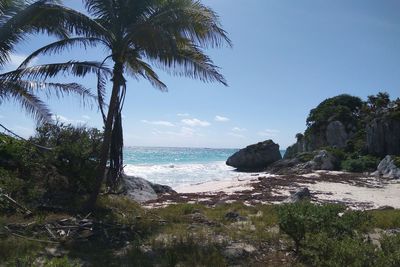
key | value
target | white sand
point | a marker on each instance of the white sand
(388, 195)
(240, 183)
(384, 193)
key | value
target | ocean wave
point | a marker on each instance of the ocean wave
(176, 175)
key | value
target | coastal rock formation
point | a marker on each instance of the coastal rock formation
(388, 169)
(305, 163)
(383, 137)
(255, 157)
(142, 190)
(323, 160)
(336, 135)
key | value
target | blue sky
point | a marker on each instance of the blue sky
(287, 57)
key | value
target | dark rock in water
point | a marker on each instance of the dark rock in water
(388, 169)
(383, 137)
(301, 194)
(255, 157)
(142, 190)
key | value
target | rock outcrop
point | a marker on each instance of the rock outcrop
(255, 157)
(388, 169)
(383, 137)
(336, 134)
(142, 190)
(299, 195)
(305, 163)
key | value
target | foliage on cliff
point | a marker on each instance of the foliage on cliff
(354, 116)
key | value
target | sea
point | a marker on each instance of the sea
(178, 167)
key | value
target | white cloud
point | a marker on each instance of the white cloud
(195, 122)
(238, 129)
(268, 133)
(64, 119)
(183, 114)
(159, 123)
(221, 119)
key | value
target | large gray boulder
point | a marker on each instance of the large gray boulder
(255, 157)
(388, 169)
(323, 160)
(336, 135)
(142, 190)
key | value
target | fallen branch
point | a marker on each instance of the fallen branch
(16, 204)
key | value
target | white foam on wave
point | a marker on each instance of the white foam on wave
(177, 175)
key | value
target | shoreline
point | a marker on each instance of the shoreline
(355, 190)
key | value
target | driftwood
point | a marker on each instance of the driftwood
(15, 204)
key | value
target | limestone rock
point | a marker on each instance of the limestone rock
(255, 157)
(336, 135)
(388, 169)
(301, 194)
(142, 190)
(383, 137)
(238, 250)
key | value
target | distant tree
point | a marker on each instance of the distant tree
(379, 101)
(344, 108)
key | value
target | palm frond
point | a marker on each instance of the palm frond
(187, 59)
(181, 18)
(61, 45)
(43, 17)
(27, 100)
(79, 69)
(137, 67)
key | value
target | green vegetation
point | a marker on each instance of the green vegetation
(60, 171)
(328, 235)
(360, 163)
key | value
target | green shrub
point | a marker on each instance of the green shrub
(322, 250)
(390, 255)
(360, 164)
(301, 219)
(32, 174)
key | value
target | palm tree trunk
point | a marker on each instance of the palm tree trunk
(113, 109)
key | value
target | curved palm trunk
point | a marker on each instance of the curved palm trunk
(113, 119)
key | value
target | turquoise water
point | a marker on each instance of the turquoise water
(179, 166)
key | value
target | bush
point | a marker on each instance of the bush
(322, 250)
(32, 174)
(302, 219)
(360, 164)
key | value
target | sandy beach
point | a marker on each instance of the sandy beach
(357, 191)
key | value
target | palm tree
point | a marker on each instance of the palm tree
(141, 34)
(18, 19)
